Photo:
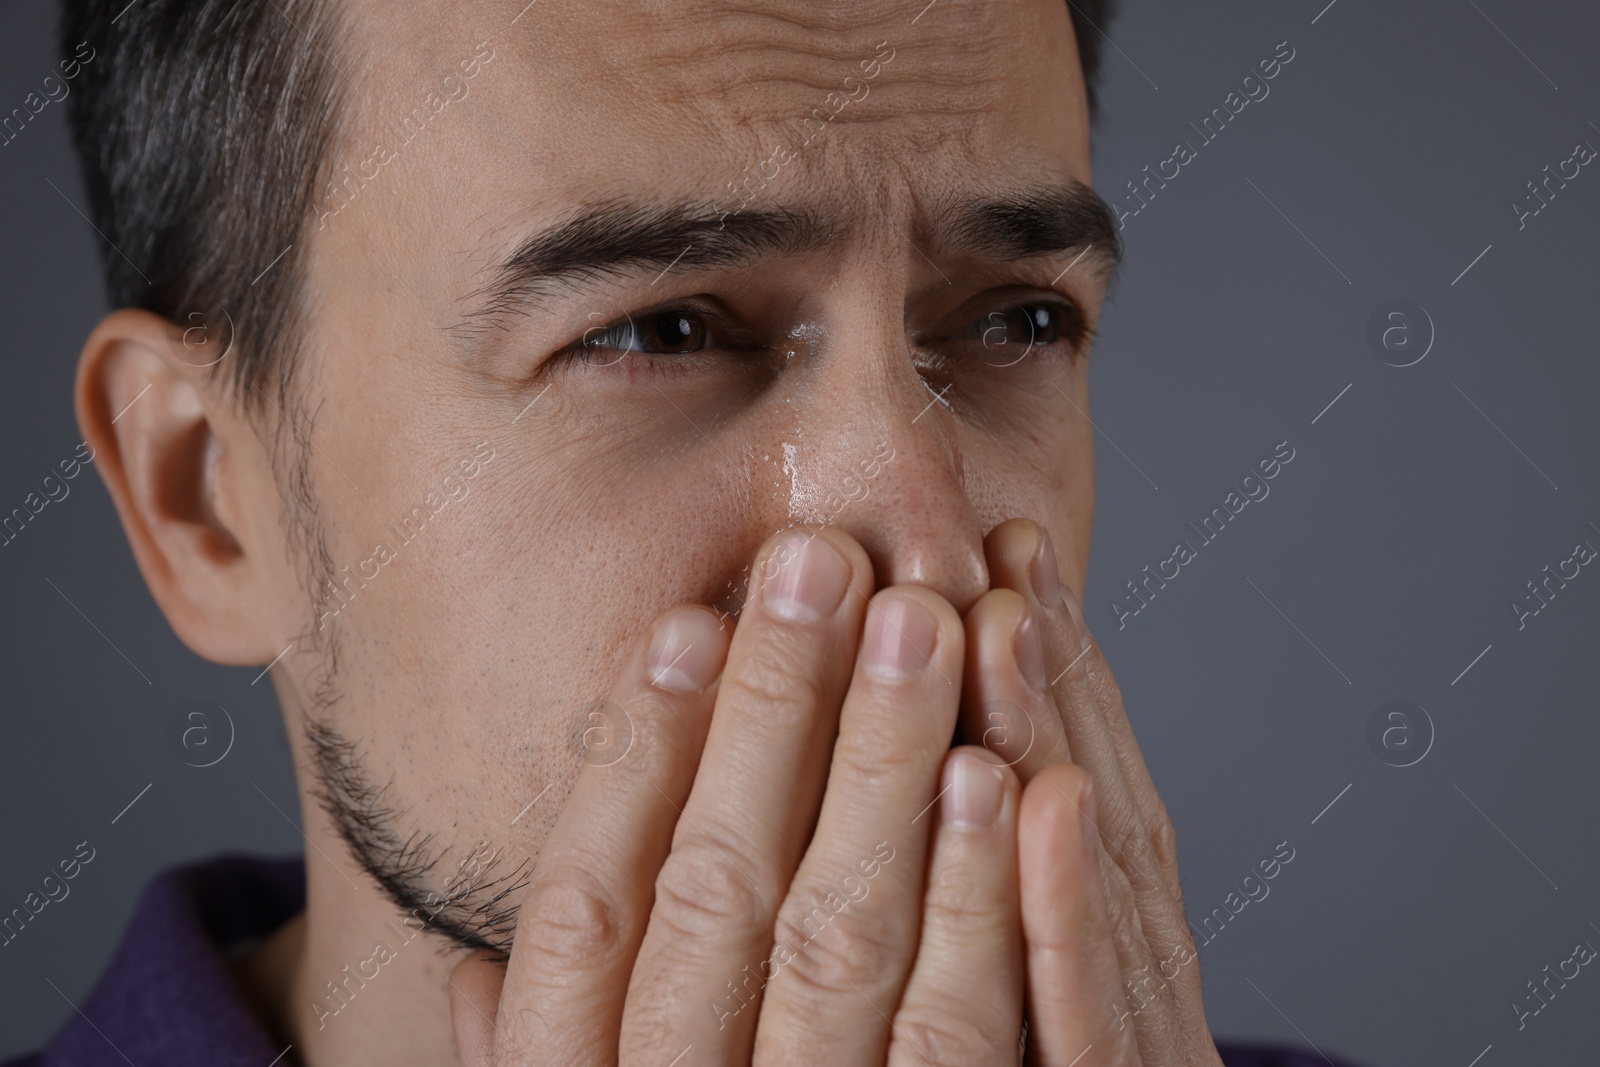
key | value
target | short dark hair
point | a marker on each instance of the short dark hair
(1089, 18)
(205, 130)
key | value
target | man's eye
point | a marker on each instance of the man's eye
(665, 333)
(1025, 325)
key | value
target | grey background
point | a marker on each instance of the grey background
(1420, 903)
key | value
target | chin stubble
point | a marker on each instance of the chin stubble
(473, 906)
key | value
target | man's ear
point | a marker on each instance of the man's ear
(169, 447)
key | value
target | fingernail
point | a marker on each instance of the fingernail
(1044, 575)
(803, 578)
(974, 790)
(1028, 651)
(686, 651)
(901, 634)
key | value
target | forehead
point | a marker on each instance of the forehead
(471, 125)
(585, 99)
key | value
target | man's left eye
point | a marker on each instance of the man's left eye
(1025, 325)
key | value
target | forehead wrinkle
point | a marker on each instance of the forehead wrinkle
(707, 30)
(778, 63)
(788, 86)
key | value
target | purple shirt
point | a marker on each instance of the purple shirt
(167, 1000)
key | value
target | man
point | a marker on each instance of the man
(648, 443)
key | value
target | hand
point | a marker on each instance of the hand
(789, 862)
(1111, 966)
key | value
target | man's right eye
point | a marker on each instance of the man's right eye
(673, 332)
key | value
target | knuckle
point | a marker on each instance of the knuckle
(517, 1032)
(1147, 991)
(1127, 927)
(702, 889)
(1164, 843)
(1166, 995)
(1170, 967)
(965, 899)
(838, 950)
(874, 747)
(943, 1029)
(773, 686)
(568, 918)
(660, 741)
(1127, 843)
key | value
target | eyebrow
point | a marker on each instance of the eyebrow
(1046, 221)
(619, 238)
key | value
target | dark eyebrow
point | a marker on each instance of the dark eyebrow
(617, 237)
(1032, 223)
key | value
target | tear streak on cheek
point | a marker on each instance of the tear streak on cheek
(804, 498)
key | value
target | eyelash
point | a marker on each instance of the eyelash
(611, 336)
(1071, 327)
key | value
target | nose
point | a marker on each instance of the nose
(894, 480)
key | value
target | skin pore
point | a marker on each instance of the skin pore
(570, 492)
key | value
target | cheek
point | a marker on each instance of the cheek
(472, 655)
(531, 591)
(1047, 476)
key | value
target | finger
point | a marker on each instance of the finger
(1021, 557)
(584, 914)
(846, 934)
(1076, 1006)
(1143, 892)
(753, 803)
(1143, 895)
(1007, 705)
(971, 925)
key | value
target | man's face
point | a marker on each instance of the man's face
(878, 319)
